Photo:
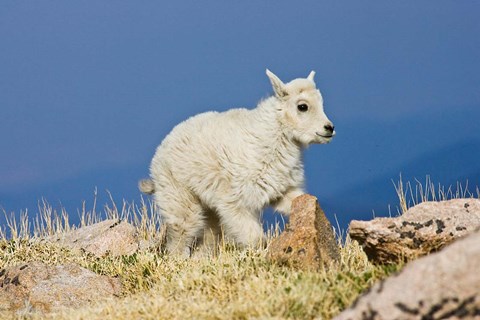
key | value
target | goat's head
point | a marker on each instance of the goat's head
(300, 107)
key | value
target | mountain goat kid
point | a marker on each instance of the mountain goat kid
(220, 170)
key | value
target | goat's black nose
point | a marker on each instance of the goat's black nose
(329, 127)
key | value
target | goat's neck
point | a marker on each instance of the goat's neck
(281, 141)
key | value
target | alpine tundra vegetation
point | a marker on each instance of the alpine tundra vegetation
(217, 171)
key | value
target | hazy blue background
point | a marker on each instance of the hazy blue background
(88, 89)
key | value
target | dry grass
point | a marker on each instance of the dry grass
(410, 194)
(235, 284)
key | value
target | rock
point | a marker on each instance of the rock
(425, 228)
(113, 237)
(43, 288)
(308, 242)
(444, 285)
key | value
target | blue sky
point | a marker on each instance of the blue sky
(88, 89)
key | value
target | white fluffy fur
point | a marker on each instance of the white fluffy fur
(220, 170)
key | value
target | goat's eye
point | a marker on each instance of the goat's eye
(302, 107)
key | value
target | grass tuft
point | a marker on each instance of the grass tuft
(410, 194)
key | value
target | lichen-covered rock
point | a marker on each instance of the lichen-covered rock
(43, 288)
(110, 237)
(308, 242)
(425, 228)
(444, 285)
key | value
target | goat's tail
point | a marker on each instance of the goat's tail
(146, 186)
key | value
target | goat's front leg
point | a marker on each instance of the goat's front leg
(242, 225)
(284, 204)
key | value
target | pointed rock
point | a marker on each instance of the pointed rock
(308, 242)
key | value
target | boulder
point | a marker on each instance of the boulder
(443, 285)
(110, 237)
(425, 228)
(36, 286)
(308, 241)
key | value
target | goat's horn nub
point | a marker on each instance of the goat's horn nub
(311, 75)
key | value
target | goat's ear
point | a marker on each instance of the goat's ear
(277, 84)
(311, 76)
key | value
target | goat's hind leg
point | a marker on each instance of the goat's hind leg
(184, 218)
(210, 238)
